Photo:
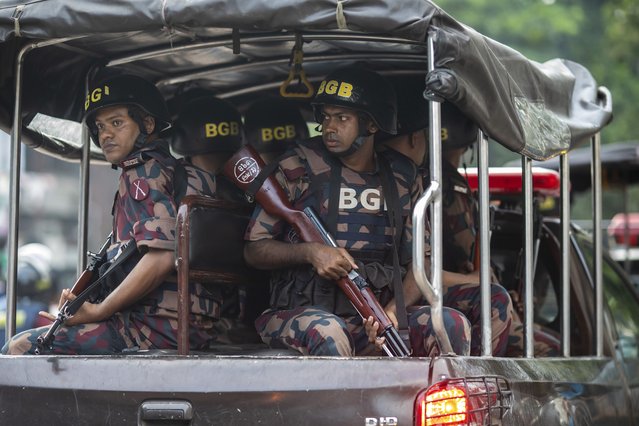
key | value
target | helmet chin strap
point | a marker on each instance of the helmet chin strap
(357, 144)
(140, 141)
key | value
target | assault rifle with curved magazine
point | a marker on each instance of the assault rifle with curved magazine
(84, 287)
(248, 171)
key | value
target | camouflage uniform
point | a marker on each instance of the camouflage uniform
(144, 210)
(199, 181)
(459, 207)
(231, 326)
(312, 315)
(460, 211)
(458, 247)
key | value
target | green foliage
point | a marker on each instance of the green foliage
(601, 35)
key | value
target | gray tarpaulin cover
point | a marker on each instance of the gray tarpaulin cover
(536, 109)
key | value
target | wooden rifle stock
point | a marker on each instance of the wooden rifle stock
(84, 280)
(243, 168)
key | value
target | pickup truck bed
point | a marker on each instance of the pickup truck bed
(289, 390)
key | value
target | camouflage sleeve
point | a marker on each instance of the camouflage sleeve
(147, 207)
(199, 182)
(406, 249)
(266, 226)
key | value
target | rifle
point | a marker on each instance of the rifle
(86, 278)
(247, 170)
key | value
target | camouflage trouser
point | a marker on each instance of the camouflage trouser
(466, 299)
(546, 341)
(314, 331)
(123, 331)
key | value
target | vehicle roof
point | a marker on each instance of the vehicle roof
(239, 49)
(619, 165)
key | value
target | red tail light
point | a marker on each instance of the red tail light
(617, 228)
(507, 180)
(465, 401)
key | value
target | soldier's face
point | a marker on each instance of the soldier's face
(340, 127)
(117, 132)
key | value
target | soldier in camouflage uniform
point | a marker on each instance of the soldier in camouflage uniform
(340, 176)
(272, 125)
(460, 281)
(207, 131)
(460, 232)
(125, 115)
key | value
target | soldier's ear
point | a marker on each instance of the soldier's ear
(149, 124)
(372, 127)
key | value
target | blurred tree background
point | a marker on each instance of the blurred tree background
(602, 35)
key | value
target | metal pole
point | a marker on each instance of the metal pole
(484, 246)
(596, 229)
(626, 222)
(14, 188)
(85, 181)
(565, 253)
(529, 347)
(432, 291)
(14, 198)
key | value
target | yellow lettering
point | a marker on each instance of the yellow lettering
(331, 87)
(96, 95)
(210, 130)
(279, 133)
(321, 88)
(290, 131)
(267, 135)
(345, 90)
(444, 133)
(223, 128)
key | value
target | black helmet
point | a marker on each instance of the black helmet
(206, 125)
(412, 107)
(360, 89)
(272, 124)
(458, 131)
(34, 270)
(125, 89)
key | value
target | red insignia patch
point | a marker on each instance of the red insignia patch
(139, 189)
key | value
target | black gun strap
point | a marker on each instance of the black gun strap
(75, 304)
(257, 183)
(334, 194)
(391, 197)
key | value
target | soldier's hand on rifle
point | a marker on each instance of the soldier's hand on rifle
(85, 314)
(330, 262)
(371, 326)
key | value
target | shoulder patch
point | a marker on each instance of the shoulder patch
(132, 162)
(139, 189)
(460, 189)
